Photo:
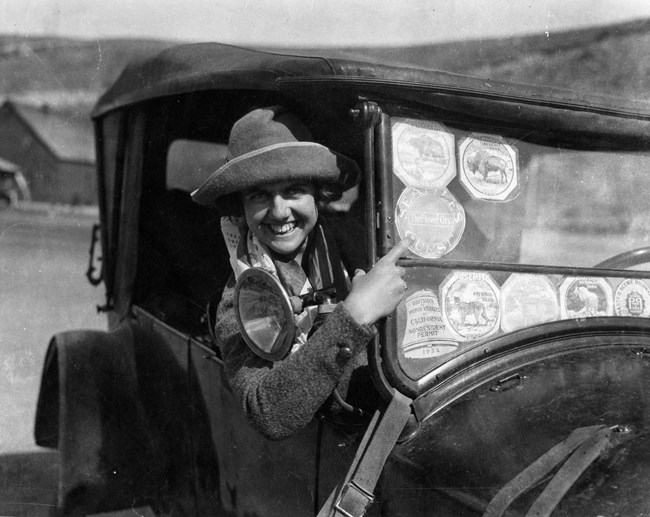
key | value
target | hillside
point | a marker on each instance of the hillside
(614, 60)
(65, 72)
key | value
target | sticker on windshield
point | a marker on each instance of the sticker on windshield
(423, 153)
(489, 167)
(425, 332)
(433, 217)
(585, 297)
(632, 298)
(527, 300)
(470, 305)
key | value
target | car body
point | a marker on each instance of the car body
(525, 319)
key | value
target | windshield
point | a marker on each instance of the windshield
(507, 232)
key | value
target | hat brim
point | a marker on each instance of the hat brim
(281, 162)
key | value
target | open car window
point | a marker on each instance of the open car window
(183, 261)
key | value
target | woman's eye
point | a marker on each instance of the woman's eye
(256, 196)
(297, 191)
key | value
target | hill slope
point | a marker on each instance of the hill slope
(613, 60)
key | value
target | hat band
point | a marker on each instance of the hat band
(271, 147)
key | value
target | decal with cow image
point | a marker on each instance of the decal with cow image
(424, 154)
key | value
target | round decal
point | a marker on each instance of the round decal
(585, 297)
(423, 153)
(632, 298)
(489, 167)
(425, 332)
(470, 305)
(527, 300)
(433, 217)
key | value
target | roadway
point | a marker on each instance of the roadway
(43, 290)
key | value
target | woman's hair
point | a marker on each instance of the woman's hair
(232, 205)
(327, 193)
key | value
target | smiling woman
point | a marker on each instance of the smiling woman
(277, 175)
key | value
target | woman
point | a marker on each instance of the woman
(277, 176)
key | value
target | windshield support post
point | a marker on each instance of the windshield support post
(382, 158)
(369, 114)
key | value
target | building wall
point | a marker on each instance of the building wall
(19, 146)
(49, 179)
(75, 184)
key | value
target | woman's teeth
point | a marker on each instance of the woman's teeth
(281, 229)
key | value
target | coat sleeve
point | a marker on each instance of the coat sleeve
(282, 397)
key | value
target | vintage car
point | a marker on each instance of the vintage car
(514, 377)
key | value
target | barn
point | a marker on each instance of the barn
(54, 149)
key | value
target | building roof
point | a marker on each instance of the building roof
(6, 165)
(68, 137)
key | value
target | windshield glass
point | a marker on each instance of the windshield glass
(507, 233)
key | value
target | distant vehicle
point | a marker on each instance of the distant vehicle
(515, 374)
(13, 186)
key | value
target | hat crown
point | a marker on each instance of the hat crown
(265, 127)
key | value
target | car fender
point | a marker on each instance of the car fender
(89, 408)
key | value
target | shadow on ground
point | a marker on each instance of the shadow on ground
(28, 483)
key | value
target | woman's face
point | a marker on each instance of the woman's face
(281, 214)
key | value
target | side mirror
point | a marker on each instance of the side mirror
(264, 313)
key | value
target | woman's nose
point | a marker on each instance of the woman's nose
(279, 208)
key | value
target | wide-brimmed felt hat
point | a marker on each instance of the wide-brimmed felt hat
(269, 145)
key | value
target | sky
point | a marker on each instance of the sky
(310, 22)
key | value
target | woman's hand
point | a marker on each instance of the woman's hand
(376, 294)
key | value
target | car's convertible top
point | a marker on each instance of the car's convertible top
(215, 66)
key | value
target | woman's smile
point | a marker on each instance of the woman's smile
(281, 228)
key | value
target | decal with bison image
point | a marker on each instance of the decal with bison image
(423, 153)
(470, 305)
(434, 218)
(489, 167)
(585, 297)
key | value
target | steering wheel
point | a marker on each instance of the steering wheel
(626, 259)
